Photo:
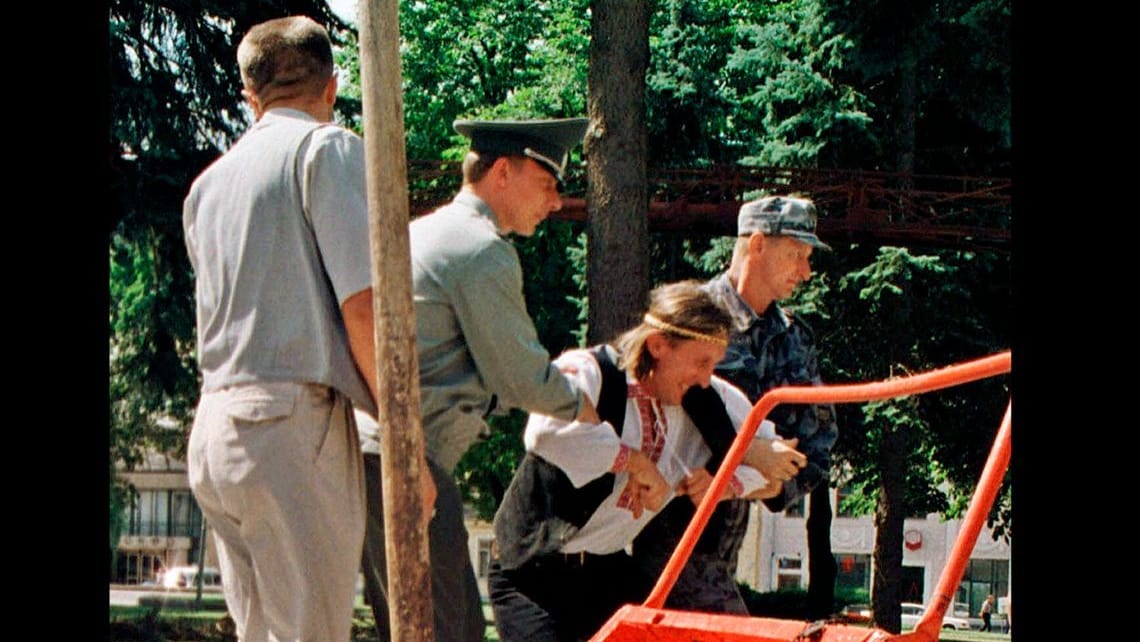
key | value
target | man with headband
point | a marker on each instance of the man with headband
(585, 488)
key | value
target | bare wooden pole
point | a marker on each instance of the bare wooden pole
(397, 366)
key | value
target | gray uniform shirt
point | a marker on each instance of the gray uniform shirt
(277, 232)
(478, 349)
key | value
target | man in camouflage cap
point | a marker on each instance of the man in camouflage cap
(768, 347)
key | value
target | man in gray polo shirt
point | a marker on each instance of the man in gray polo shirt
(277, 233)
(478, 349)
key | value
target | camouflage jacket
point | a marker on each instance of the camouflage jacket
(773, 350)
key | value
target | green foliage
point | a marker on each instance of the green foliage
(792, 101)
(755, 83)
(804, 83)
(793, 603)
(786, 604)
(958, 55)
(715, 257)
(488, 58)
(485, 470)
(119, 496)
(687, 110)
(554, 268)
(888, 317)
(580, 298)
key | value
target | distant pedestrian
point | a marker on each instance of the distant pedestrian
(987, 612)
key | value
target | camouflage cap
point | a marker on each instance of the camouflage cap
(546, 141)
(780, 215)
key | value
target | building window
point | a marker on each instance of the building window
(185, 517)
(165, 513)
(854, 571)
(981, 578)
(786, 582)
(484, 556)
(151, 513)
(796, 509)
(842, 505)
(789, 573)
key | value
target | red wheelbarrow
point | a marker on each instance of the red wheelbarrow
(650, 622)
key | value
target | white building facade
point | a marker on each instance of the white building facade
(774, 554)
(162, 529)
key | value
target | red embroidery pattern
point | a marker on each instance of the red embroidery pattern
(737, 486)
(622, 459)
(654, 427)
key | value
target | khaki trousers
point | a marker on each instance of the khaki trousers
(277, 471)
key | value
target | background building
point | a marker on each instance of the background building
(774, 554)
(162, 524)
(163, 529)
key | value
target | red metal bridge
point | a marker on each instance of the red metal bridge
(962, 212)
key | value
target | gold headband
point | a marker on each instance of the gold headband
(653, 321)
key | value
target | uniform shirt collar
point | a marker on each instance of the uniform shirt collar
(479, 205)
(287, 112)
(743, 316)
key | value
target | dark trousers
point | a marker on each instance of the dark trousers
(458, 609)
(708, 580)
(563, 598)
(986, 621)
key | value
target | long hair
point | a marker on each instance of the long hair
(685, 306)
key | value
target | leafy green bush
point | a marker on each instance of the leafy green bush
(788, 604)
(792, 604)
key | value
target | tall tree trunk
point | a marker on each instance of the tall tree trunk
(890, 510)
(906, 110)
(822, 568)
(617, 199)
(397, 384)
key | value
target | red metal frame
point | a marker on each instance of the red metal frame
(652, 622)
(966, 212)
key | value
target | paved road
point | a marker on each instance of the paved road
(126, 597)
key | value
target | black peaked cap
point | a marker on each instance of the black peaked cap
(546, 141)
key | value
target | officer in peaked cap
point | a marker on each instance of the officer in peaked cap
(478, 350)
(548, 142)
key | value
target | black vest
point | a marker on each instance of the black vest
(542, 509)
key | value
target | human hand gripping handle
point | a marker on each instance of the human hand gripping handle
(776, 459)
(695, 485)
(647, 487)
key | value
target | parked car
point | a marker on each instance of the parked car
(912, 613)
(186, 577)
(856, 614)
